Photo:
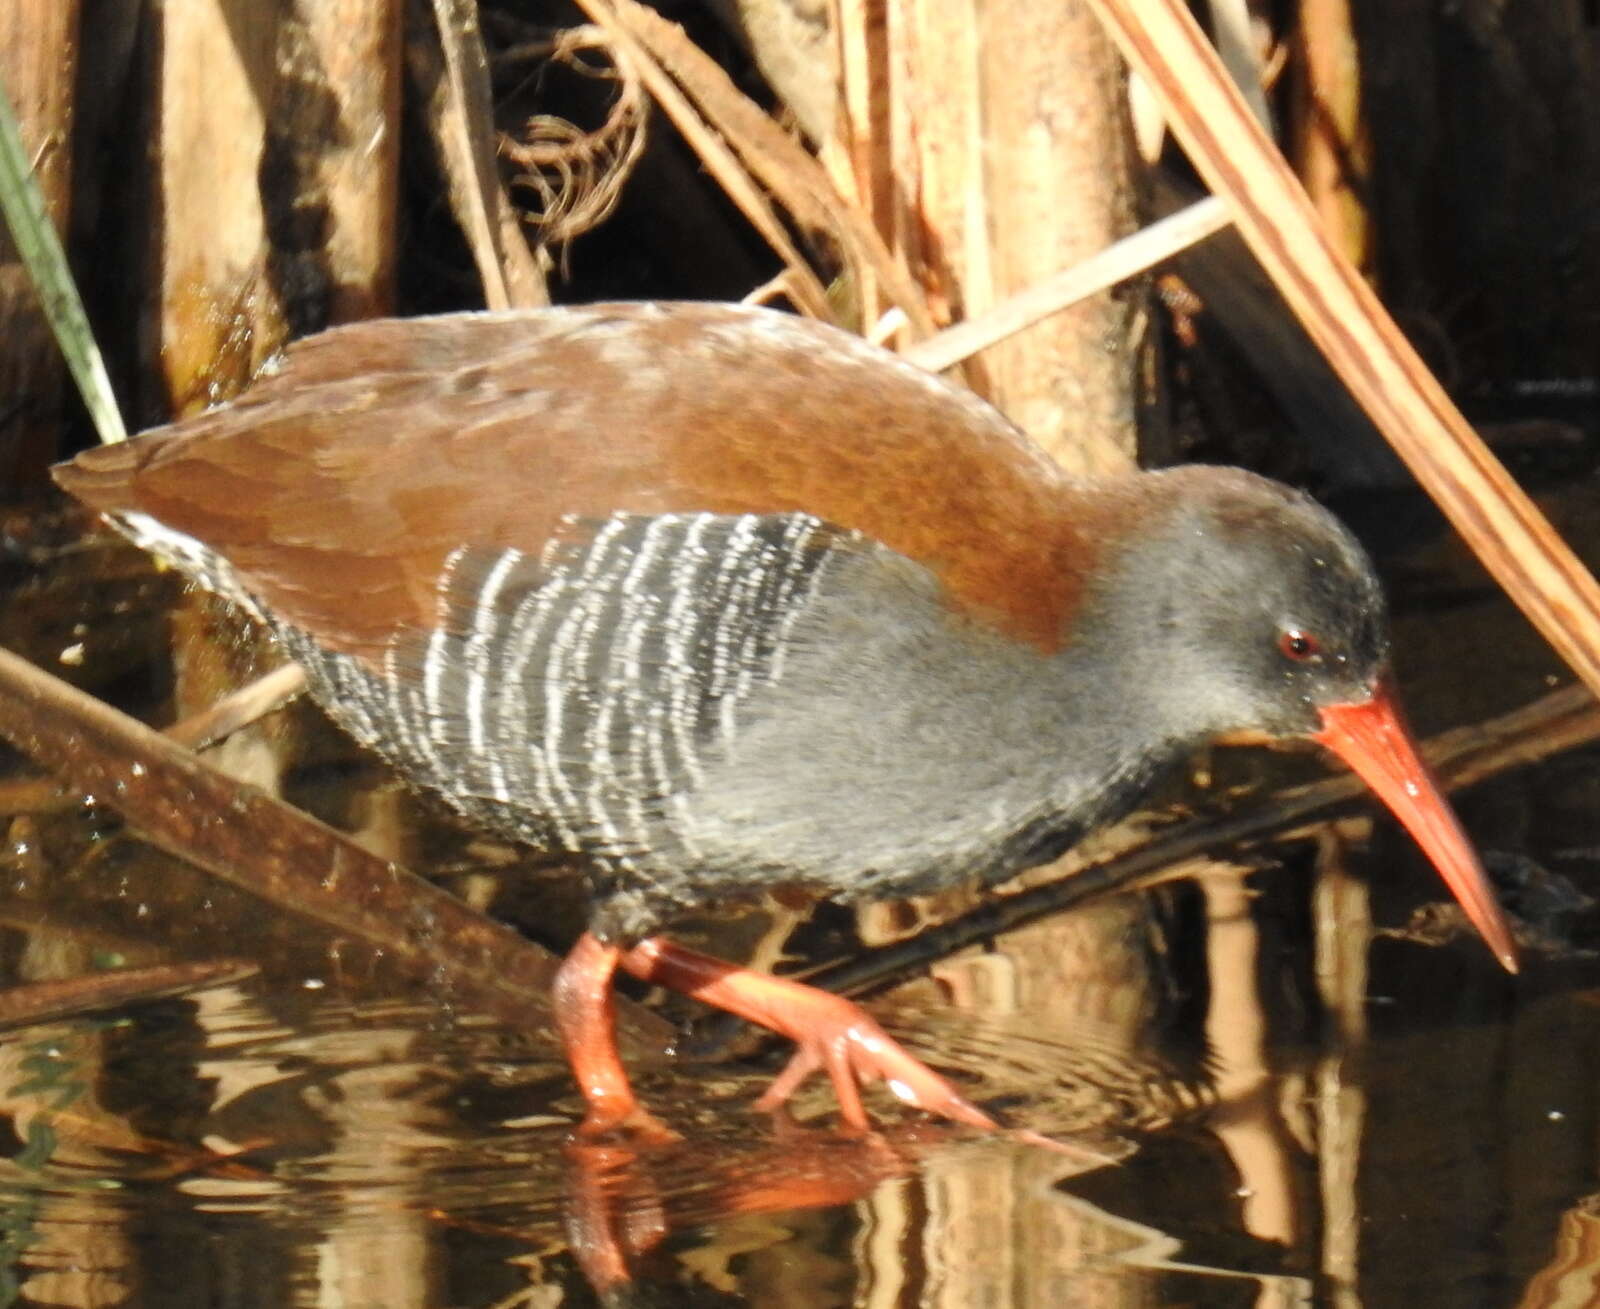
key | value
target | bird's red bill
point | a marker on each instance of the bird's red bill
(1372, 739)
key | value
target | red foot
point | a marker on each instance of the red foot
(639, 1126)
(585, 1013)
(833, 1034)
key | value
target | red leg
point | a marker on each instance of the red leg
(832, 1033)
(585, 1013)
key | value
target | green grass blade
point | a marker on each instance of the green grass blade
(36, 242)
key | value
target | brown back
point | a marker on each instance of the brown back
(337, 486)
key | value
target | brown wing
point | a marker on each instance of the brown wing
(337, 486)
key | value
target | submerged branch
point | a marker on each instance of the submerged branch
(251, 840)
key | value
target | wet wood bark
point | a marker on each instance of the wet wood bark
(1331, 148)
(272, 207)
(1009, 158)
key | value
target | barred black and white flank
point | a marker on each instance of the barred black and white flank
(576, 697)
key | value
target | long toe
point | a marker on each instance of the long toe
(855, 1050)
(833, 1033)
(801, 1065)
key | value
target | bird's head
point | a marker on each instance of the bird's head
(1253, 614)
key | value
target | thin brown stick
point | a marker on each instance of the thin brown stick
(1498, 520)
(52, 1001)
(720, 161)
(1116, 263)
(1343, 931)
(775, 159)
(249, 704)
(462, 121)
(246, 705)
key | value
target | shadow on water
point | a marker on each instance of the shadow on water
(1259, 1103)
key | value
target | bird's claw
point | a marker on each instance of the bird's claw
(635, 1127)
(854, 1050)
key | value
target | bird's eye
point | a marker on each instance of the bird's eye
(1297, 645)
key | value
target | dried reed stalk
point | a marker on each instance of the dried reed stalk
(1498, 520)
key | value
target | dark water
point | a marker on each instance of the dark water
(1261, 1102)
(266, 1143)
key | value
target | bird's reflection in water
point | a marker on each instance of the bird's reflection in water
(622, 1201)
